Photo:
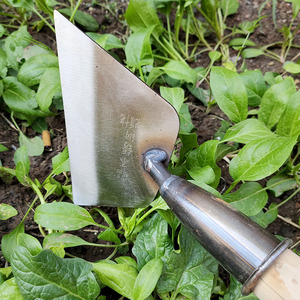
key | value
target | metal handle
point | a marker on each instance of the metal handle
(241, 246)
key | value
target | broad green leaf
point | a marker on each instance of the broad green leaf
(255, 86)
(49, 86)
(207, 188)
(138, 48)
(52, 187)
(60, 162)
(9, 290)
(291, 67)
(7, 211)
(83, 19)
(214, 56)
(159, 204)
(106, 41)
(241, 42)
(229, 7)
(190, 271)
(189, 142)
(234, 291)
(205, 155)
(119, 277)
(272, 77)
(147, 279)
(62, 216)
(250, 199)
(141, 14)
(185, 119)
(281, 183)
(154, 74)
(205, 174)
(261, 158)
(3, 148)
(22, 163)
(126, 260)
(175, 96)
(180, 71)
(109, 235)
(209, 10)
(9, 241)
(14, 45)
(29, 242)
(32, 70)
(289, 122)
(35, 146)
(230, 93)
(152, 242)
(21, 98)
(63, 239)
(172, 220)
(46, 275)
(247, 131)
(27, 4)
(252, 52)
(274, 101)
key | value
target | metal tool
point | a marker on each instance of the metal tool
(121, 135)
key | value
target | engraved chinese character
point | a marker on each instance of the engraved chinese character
(127, 149)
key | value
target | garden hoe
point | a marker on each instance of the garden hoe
(121, 135)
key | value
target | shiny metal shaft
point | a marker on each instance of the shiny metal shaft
(241, 246)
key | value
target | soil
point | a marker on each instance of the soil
(205, 123)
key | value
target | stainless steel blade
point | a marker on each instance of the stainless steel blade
(112, 118)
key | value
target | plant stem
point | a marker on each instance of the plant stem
(44, 19)
(141, 73)
(75, 10)
(30, 208)
(286, 200)
(231, 187)
(36, 190)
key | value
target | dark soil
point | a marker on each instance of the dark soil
(207, 124)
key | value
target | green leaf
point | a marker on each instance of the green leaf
(138, 48)
(27, 4)
(180, 71)
(84, 20)
(230, 93)
(291, 67)
(205, 155)
(255, 86)
(229, 7)
(274, 101)
(250, 199)
(209, 10)
(247, 131)
(252, 52)
(7, 211)
(49, 86)
(185, 119)
(106, 41)
(190, 271)
(32, 70)
(126, 260)
(154, 74)
(30, 243)
(147, 279)
(109, 235)
(152, 242)
(175, 96)
(66, 240)
(289, 122)
(241, 42)
(9, 241)
(205, 174)
(141, 14)
(9, 290)
(61, 163)
(22, 163)
(261, 158)
(62, 216)
(281, 183)
(214, 56)
(35, 146)
(47, 275)
(14, 45)
(21, 98)
(119, 277)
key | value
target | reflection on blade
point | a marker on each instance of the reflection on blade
(112, 118)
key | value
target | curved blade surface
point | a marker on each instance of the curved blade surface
(112, 118)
